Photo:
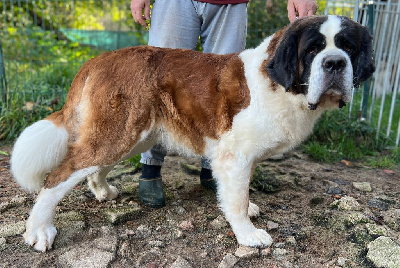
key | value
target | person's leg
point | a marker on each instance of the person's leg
(224, 28)
(206, 178)
(150, 183)
(174, 24)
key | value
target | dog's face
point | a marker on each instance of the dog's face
(323, 56)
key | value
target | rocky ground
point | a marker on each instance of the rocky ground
(319, 215)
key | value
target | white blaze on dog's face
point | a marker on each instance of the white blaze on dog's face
(323, 58)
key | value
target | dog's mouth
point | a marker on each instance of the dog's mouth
(334, 94)
(314, 106)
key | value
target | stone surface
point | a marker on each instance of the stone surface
(354, 218)
(346, 203)
(67, 218)
(392, 218)
(69, 233)
(341, 261)
(219, 222)
(228, 261)
(86, 257)
(12, 229)
(265, 251)
(157, 243)
(118, 172)
(362, 186)
(360, 236)
(181, 263)
(384, 252)
(190, 169)
(375, 230)
(332, 190)
(3, 243)
(378, 204)
(291, 241)
(272, 225)
(143, 231)
(146, 258)
(106, 243)
(180, 210)
(279, 245)
(186, 225)
(121, 215)
(279, 253)
(246, 252)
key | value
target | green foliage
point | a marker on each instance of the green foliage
(395, 155)
(337, 137)
(380, 162)
(135, 161)
(388, 160)
(319, 152)
(264, 18)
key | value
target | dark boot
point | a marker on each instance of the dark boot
(150, 187)
(207, 180)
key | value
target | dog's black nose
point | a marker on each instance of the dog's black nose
(334, 63)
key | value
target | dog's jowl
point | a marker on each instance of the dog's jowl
(234, 109)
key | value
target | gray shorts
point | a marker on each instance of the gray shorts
(180, 23)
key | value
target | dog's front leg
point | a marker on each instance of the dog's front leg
(233, 176)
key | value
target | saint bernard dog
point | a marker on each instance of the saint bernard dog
(234, 109)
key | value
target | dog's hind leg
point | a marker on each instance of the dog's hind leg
(233, 172)
(40, 231)
(100, 188)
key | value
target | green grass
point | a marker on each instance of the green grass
(336, 137)
(376, 111)
(33, 97)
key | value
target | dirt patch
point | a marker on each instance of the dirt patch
(296, 197)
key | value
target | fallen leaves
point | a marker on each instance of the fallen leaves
(346, 163)
(389, 172)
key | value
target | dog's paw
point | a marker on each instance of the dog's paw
(255, 238)
(112, 193)
(253, 210)
(105, 194)
(40, 238)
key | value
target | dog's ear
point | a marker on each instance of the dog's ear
(283, 66)
(365, 65)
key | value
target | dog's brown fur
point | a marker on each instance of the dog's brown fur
(195, 95)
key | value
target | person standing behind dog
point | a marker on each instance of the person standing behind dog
(222, 28)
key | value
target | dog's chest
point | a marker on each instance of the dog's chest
(272, 124)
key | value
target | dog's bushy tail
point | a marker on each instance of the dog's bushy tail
(39, 149)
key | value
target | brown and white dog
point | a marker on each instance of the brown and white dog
(234, 109)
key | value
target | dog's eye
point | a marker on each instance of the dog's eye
(348, 49)
(313, 50)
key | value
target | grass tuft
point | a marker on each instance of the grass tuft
(337, 137)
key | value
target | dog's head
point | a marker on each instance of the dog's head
(322, 56)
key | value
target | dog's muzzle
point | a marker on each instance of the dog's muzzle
(333, 67)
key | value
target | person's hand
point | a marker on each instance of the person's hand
(137, 8)
(303, 8)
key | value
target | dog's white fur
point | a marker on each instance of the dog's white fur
(40, 231)
(37, 151)
(274, 122)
